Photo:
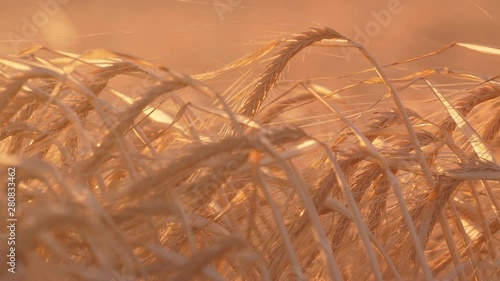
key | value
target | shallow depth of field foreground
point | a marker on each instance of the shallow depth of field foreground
(236, 174)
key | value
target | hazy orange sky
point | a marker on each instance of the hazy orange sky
(198, 35)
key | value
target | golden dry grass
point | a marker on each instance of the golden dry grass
(183, 182)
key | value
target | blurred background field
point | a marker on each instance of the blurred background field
(194, 35)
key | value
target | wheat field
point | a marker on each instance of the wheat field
(178, 178)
